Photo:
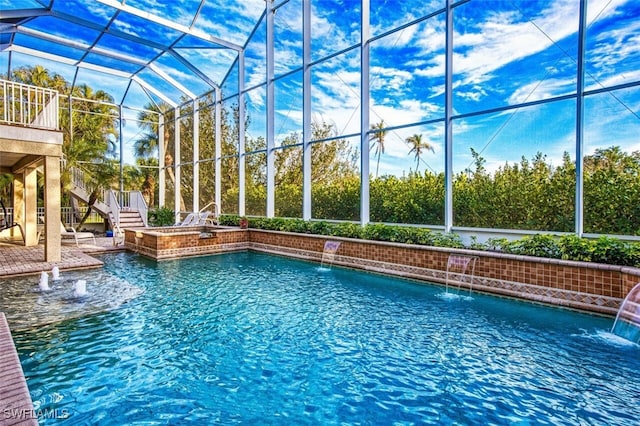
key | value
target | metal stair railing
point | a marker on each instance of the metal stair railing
(114, 207)
(112, 202)
(128, 200)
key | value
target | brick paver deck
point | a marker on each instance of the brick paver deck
(16, 259)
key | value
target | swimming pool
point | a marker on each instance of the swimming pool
(251, 338)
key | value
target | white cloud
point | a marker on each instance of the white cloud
(475, 94)
(230, 20)
(98, 9)
(544, 89)
(502, 38)
(389, 78)
(403, 37)
(257, 98)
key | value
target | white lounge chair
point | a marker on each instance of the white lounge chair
(201, 218)
(209, 217)
(205, 218)
(191, 220)
(70, 232)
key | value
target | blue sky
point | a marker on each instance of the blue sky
(505, 53)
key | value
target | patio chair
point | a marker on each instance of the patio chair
(201, 218)
(191, 220)
(4, 224)
(205, 218)
(70, 232)
(208, 217)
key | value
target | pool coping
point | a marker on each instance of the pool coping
(585, 286)
(16, 406)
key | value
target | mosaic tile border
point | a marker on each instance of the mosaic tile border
(175, 253)
(553, 296)
(596, 288)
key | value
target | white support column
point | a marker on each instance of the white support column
(448, 123)
(162, 174)
(19, 194)
(52, 209)
(30, 207)
(364, 113)
(70, 112)
(306, 110)
(218, 149)
(121, 148)
(196, 156)
(241, 131)
(25, 203)
(176, 162)
(271, 172)
(582, 34)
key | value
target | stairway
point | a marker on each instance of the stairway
(131, 219)
(131, 215)
(81, 194)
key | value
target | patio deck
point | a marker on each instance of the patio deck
(15, 259)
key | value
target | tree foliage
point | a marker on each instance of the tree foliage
(568, 247)
(531, 194)
(88, 120)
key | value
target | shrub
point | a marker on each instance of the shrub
(575, 248)
(615, 252)
(161, 216)
(569, 247)
(538, 245)
(229, 220)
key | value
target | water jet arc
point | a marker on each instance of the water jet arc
(627, 323)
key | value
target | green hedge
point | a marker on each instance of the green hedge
(569, 247)
(161, 216)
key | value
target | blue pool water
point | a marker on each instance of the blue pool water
(250, 338)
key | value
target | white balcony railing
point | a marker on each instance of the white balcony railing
(66, 215)
(27, 105)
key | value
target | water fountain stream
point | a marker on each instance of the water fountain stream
(80, 288)
(627, 323)
(329, 254)
(459, 264)
(44, 282)
(55, 273)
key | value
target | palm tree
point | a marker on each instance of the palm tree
(418, 147)
(88, 125)
(377, 141)
(102, 177)
(147, 146)
(147, 173)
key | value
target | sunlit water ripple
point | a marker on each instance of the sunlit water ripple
(248, 338)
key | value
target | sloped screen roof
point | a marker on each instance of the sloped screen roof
(135, 49)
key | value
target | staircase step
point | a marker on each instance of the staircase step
(131, 218)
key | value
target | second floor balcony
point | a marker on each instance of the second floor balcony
(29, 126)
(29, 106)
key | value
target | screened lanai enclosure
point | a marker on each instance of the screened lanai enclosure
(453, 115)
